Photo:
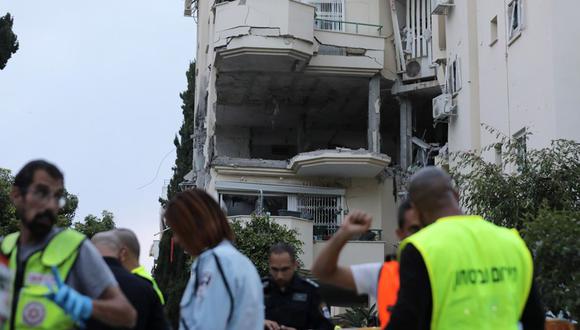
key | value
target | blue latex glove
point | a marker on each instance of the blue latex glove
(79, 307)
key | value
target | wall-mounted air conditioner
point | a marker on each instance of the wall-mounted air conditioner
(419, 69)
(443, 107)
(441, 7)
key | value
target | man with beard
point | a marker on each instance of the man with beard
(61, 280)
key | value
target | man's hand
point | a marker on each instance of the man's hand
(356, 223)
(271, 325)
(76, 305)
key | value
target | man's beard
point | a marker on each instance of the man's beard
(40, 225)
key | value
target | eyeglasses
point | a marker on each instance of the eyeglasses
(42, 194)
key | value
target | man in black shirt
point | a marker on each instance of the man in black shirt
(139, 292)
(433, 198)
(291, 302)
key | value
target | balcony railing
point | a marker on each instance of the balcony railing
(344, 26)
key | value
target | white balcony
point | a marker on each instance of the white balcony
(355, 252)
(339, 163)
(265, 35)
(346, 53)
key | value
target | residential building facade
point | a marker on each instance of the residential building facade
(307, 109)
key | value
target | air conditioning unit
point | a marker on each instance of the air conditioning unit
(441, 7)
(188, 8)
(419, 69)
(443, 107)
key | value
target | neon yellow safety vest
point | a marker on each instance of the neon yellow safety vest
(140, 271)
(30, 307)
(480, 274)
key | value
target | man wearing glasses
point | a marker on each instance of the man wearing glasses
(60, 280)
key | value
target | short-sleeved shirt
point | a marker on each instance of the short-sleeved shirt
(298, 306)
(89, 275)
(223, 292)
(366, 278)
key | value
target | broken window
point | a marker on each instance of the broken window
(453, 73)
(515, 19)
(240, 204)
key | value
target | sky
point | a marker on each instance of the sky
(94, 88)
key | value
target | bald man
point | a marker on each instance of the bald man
(129, 257)
(138, 291)
(460, 271)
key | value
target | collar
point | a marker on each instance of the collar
(460, 217)
(112, 261)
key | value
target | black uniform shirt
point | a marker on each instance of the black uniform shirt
(298, 306)
(140, 294)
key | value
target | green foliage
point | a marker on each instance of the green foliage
(8, 40)
(9, 223)
(357, 317)
(172, 275)
(553, 237)
(254, 238)
(538, 192)
(184, 143)
(509, 193)
(93, 224)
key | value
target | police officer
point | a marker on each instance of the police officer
(291, 302)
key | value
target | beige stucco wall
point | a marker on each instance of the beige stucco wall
(461, 25)
(356, 252)
(531, 82)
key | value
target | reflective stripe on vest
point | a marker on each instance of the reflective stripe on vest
(31, 308)
(388, 289)
(480, 274)
(140, 271)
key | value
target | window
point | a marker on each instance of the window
(515, 19)
(453, 73)
(242, 204)
(329, 14)
(493, 31)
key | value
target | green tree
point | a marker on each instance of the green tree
(538, 192)
(8, 40)
(509, 193)
(254, 238)
(9, 222)
(553, 237)
(172, 271)
(93, 224)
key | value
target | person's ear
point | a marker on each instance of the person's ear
(15, 195)
(456, 195)
(399, 233)
(122, 254)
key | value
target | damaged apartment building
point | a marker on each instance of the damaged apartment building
(308, 109)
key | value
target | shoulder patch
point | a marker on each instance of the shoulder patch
(311, 282)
